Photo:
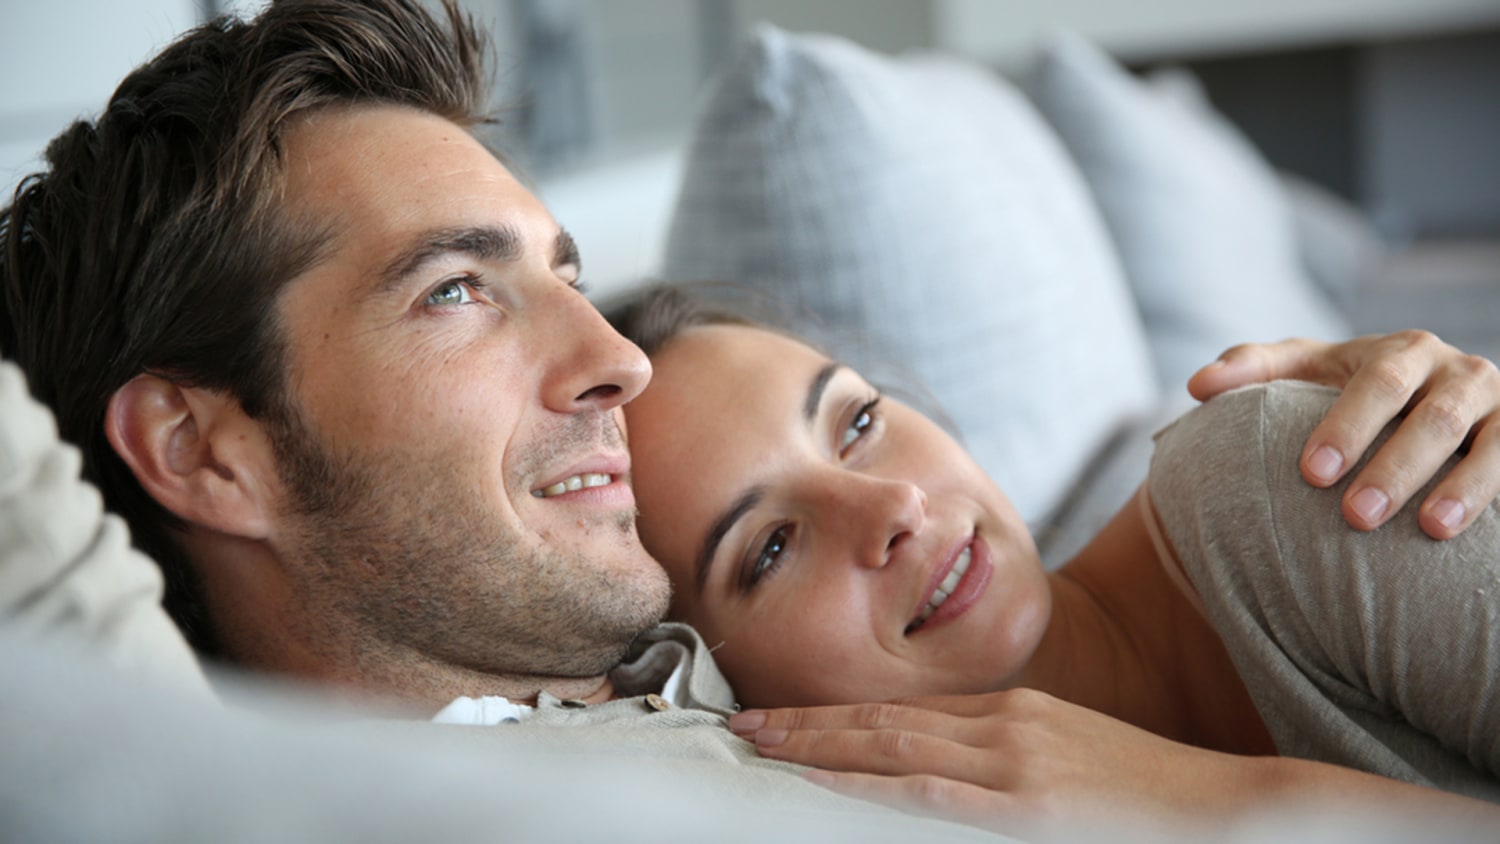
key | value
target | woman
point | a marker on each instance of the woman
(834, 546)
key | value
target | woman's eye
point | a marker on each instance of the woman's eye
(859, 425)
(455, 292)
(769, 558)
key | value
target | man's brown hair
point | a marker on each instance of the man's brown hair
(154, 242)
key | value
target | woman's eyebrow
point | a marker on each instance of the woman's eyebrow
(751, 497)
(816, 389)
(716, 534)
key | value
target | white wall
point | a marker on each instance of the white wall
(1003, 31)
(61, 59)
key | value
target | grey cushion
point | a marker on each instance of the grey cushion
(1339, 244)
(1199, 218)
(921, 203)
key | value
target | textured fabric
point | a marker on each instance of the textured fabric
(152, 766)
(1199, 218)
(922, 212)
(66, 568)
(1378, 651)
(687, 727)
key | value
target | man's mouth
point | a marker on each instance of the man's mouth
(573, 484)
(944, 589)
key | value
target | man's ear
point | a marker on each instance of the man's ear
(196, 452)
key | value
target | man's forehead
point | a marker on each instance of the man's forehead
(379, 145)
(376, 177)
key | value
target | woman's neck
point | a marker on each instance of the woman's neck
(1125, 641)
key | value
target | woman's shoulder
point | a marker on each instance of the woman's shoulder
(1249, 417)
(1252, 434)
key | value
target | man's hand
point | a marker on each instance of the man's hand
(1451, 401)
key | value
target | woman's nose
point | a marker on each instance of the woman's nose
(880, 514)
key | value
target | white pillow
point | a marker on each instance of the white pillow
(922, 203)
(1199, 218)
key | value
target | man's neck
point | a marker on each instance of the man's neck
(407, 682)
(269, 626)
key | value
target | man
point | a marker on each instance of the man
(354, 377)
(328, 357)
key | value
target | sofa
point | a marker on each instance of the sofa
(1045, 258)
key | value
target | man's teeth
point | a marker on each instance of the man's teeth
(949, 583)
(572, 484)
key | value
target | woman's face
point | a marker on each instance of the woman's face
(834, 546)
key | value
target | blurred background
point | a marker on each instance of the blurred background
(1392, 104)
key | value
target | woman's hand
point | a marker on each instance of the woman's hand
(1025, 763)
(1451, 401)
(1019, 762)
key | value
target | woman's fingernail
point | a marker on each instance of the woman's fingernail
(747, 722)
(1449, 512)
(1325, 463)
(1370, 503)
(770, 738)
(817, 777)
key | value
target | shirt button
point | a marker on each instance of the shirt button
(657, 702)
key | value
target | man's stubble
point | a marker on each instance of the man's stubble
(401, 547)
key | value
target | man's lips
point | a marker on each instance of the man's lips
(955, 585)
(591, 473)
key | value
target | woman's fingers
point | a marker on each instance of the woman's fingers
(896, 715)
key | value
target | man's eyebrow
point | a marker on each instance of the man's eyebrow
(740, 507)
(484, 243)
(816, 388)
(565, 251)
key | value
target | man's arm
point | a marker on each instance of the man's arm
(1450, 401)
(67, 569)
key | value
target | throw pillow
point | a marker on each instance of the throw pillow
(1199, 218)
(921, 204)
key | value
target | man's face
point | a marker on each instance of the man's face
(456, 479)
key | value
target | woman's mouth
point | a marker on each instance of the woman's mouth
(959, 589)
(950, 583)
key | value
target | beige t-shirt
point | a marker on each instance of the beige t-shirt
(1373, 650)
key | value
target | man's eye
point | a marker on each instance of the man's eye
(769, 558)
(455, 292)
(859, 425)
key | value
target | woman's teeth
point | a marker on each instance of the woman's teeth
(572, 484)
(949, 583)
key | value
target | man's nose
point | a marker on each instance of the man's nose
(592, 367)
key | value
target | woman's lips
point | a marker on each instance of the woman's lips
(962, 583)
